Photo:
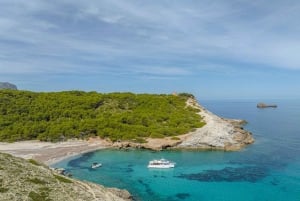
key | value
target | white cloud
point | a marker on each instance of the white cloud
(161, 71)
(149, 37)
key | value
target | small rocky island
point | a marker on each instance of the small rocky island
(263, 105)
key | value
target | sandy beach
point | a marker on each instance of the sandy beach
(50, 153)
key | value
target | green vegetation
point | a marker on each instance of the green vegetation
(39, 196)
(57, 116)
(36, 181)
(62, 179)
(34, 162)
(175, 138)
(3, 190)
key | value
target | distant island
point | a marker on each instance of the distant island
(7, 85)
(263, 105)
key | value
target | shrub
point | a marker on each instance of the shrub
(3, 190)
(175, 138)
(34, 162)
(37, 181)
(62, 179)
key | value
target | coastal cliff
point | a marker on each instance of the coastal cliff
(29, 180)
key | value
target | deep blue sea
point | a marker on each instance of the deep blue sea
(268, 170)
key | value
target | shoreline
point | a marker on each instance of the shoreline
(218, 133)
(51, 153)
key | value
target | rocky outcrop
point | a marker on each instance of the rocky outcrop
(263, 105)
(218, 133)
(156, 144)
(7, 85)
(28, 180)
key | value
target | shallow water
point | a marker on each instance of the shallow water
(268, 170)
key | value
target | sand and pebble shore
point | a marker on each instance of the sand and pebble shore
(50, 153)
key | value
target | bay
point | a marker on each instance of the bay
(268, 170)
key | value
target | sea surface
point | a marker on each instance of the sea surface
(268, 170)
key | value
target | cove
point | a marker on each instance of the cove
(267, 170)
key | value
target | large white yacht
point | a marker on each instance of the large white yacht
(162, 163)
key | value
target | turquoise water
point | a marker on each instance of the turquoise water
(268, 170)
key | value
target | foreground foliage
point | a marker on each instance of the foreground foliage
(57, 116)
(23, 180)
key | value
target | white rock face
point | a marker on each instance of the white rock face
(218, 133)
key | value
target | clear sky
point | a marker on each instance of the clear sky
(215, 49)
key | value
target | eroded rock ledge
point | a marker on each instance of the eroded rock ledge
(218, 134)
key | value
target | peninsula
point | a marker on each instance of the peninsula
(121, 120)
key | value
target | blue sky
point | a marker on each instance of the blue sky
(215, 49)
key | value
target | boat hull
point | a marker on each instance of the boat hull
(161, 166)
(96, 166)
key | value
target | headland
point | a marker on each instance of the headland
(217, 134)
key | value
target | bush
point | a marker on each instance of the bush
(3, 190)
(157, 135)
(34, 162)
(38, 196)
(63, 179)
(37, 181)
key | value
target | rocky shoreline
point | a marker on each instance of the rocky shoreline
(218, 134)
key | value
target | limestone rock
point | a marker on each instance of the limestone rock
(218, 133)
(28, 180)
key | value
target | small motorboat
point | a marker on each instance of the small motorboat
(96, 165)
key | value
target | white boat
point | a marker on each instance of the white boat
(162, 163)
(96, 165)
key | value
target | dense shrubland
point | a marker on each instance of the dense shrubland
(55, 116)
